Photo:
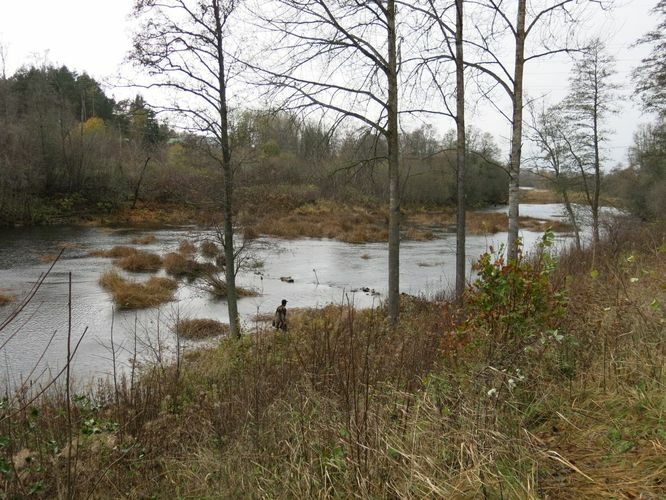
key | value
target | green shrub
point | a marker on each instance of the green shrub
(513, 304)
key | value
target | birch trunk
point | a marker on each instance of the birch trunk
(394, 172)
(516, 134)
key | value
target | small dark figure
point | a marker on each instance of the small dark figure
(280, 321)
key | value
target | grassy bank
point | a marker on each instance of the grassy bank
(550, 388)
(299, 211)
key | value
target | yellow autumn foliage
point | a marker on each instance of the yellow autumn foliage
(94, 126)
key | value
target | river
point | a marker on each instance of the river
(324, 271)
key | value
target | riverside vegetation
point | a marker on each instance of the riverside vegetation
(549, 383)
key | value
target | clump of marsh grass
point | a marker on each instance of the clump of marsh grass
(140, 261)
(6, 299)
(128, 294)
(201, 328)
(116, 252)
(186, 247)
(209, 249)
(178, 265)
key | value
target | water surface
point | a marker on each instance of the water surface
(324, 271)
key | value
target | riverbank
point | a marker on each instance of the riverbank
(286, 212)
(566, 403)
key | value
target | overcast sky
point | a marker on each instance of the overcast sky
(94, 36)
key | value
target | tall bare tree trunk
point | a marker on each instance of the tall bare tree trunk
(516, 134)
(227, 172)
(394, 172)
(460, 155)
(597, 163)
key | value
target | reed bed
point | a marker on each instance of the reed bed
(129, 294)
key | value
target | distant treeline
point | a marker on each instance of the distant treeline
(642, 186)
(66, 147)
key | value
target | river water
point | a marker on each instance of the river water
(324, 271)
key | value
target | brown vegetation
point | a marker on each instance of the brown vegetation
(129, 294)
(201, 328)
(178, 265)
(6, 299)
(114, 253)
(154, 214)
(144, 240)
(345, 406)
(186, 247)
(539, 196)
(140, 261)
(217, 286)
(325, 219)
(209, 249)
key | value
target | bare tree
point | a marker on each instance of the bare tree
(342, 57)
(184, 46)
(550, 133)
(460, 153)
(446, 45)
(591, 99)
(549, 24)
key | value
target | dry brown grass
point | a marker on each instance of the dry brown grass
(116, 252)
(129, 294)
(140, 262)
(209, 249)
(539, 196)
(48, 258)
(326, 219)
(186, 247)
(201, 328)
(250, 233)
(344, 406)
(145, 239)
(155, 214)
(5, 299)
(176, 264)
(418, 234)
